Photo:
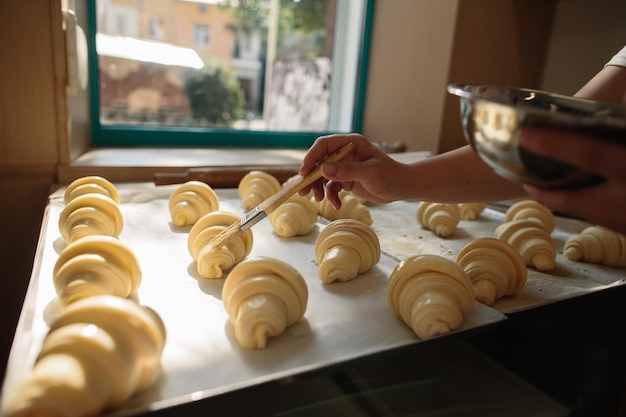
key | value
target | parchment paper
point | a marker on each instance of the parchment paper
(201, 358)
(401, 236)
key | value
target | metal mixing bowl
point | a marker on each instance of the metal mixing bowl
(493, 117)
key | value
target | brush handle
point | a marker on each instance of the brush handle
(269, 205)
(273, 202)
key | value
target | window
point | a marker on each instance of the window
(201, 36)
(226, 72)
(155, 29)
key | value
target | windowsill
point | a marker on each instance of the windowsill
(144, 164)
(187, 157)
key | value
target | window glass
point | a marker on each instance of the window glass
(201, 36)
(226, 72)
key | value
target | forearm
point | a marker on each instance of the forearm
(608, 85)
(456, 176)
(460, 175)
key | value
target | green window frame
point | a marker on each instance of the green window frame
(131, 135)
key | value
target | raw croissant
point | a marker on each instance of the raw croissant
(190, 201)
(471, 211)
(597, 245)
(495, 268)
(212, 262)
(255, 187)
(295, 217)
(97, 354)
(90, 184)
(530, 209)
(531, 240)
(351, 208)
(431, 294)
(263, 296)
(441, 218)
(95, 265)
(344, 249)
(90, 214)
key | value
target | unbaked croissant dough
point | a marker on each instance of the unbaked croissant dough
(440, 218)
(344, 249)
(95, 265)
(190, 201)
(531, 209)
(90, 184)
(351, 208)
(97, 354)
(90, 214)
(263, 296)
(431, 294)
(495, 268)
(256, 187)
(212, 262)
(471, 211)
(531, 240)
(295, 217)
(597, 245)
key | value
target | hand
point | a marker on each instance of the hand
(368, 172)
(603, 204)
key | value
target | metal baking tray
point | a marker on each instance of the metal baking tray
(401, 236)
(201, 359)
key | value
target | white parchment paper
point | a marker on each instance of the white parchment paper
(343, 321)
(401, 236)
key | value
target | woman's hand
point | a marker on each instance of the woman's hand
(604, 203)
(368, 172)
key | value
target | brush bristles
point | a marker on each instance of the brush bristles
(224, 236)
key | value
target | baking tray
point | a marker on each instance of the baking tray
(401, 236)
(201, 359)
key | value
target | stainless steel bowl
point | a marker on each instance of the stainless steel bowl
(493, 117)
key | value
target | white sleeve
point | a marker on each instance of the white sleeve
(619, 59)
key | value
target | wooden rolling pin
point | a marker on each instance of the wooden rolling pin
(224, 176)
(228, 176)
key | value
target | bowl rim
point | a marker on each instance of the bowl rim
(606, 114)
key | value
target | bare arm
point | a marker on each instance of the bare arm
(456, 176)
(603, 204)
(460, 176)
(608, 85)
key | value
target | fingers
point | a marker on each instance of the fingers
(596, 155)
(332, 193)
(602, 204)
(324, 187)
(368, 171)
(316, 187)
(344, 171)
(330, 190)
(325, 145)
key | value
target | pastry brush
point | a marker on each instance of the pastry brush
(270, 204)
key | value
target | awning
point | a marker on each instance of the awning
(147, 51)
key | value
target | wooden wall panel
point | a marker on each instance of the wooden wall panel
(29, 101)
(502, 42)
(409, 55)
(420, 46)
(32, 126)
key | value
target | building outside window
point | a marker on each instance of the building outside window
(201, 36)
(155, 29)
(234, 71)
